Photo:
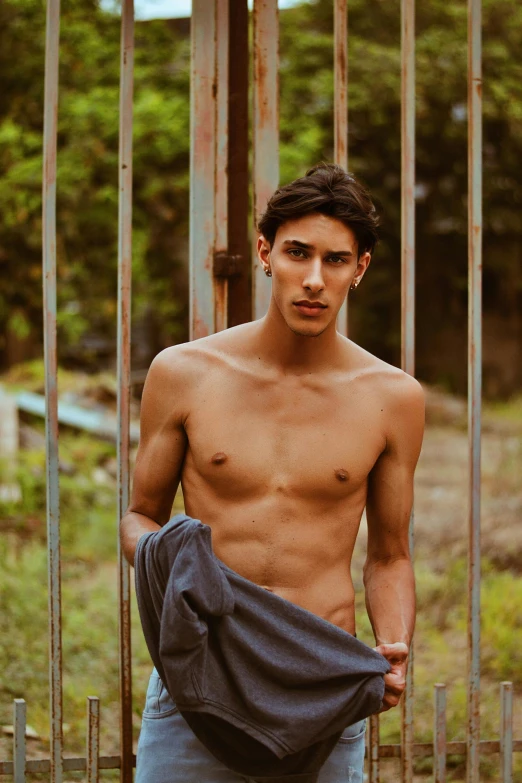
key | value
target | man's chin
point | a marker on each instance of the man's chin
(305, 330)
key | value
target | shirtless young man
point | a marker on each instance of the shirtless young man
(281, 432)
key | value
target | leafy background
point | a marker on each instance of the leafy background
(87, 176)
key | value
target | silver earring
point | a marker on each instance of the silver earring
(354, 285)
(268, 272)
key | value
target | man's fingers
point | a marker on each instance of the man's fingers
(394, 683)
(394, 653)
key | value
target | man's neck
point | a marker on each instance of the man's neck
(294, 353)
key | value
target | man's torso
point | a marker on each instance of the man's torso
(277, 465)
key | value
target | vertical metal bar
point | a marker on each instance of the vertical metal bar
(408, 298)
(341, 111)
(408, 186)
(265, 130)
(439, 735)
(474, 378)
(202, 167)
(123, 371)
(93, 738)
(221, 176)
(373, 749)
(19, 749)
(51, 390)
(341, 83)
(506, 732)
(239, 286)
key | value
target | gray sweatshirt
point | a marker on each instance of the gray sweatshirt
(265, 685)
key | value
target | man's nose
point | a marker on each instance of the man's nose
(313, 280)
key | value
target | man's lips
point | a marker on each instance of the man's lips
(310, 308)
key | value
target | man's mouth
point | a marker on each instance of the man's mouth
(307, 307)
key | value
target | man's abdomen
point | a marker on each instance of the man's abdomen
(299, 552)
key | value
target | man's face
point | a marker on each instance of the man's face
(313, 263)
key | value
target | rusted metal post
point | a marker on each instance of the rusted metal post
(474, 378)
(506, 732)
(202, 167)
(265, 130)
(341, 83)
(341, 111)
(19, 748)
(93, 738)
(123, 372)
(408, 185)
(373, 749)
(51, 390)
(439, 735)
(408, 298)
(221, 170)
(239, 285)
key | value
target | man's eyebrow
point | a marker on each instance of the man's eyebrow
(306, 246)
(297, 242)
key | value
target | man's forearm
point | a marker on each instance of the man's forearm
(390, 599)
(132, 527)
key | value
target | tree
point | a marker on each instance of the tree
(87, 170)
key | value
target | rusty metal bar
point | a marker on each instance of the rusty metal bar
(93, 738)
(420, 750)
(341, 111)
(123, 371)
(70, 764)
(19, 748)
(51, 388)
(408, 185)
(202, 167)
(474, 377)
(439, 735)
(240, 285)
(373, 749)
(221, 172)
(265, 130)
(341, 83)
(408, 300)
(506, 732)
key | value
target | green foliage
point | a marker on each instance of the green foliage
(88, 166)
(87, 209)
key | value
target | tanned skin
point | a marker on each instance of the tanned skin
(281, 431)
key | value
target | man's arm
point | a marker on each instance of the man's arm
(388, 571)
(161, 449)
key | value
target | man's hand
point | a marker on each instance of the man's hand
(395, 680)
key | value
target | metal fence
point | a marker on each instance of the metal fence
(220, 296)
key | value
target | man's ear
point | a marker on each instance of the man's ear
(263, 250)
(362, 264)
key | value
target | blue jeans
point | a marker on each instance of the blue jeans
(169, 751)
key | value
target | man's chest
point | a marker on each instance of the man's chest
(293, 439)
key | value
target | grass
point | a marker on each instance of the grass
(89, 607)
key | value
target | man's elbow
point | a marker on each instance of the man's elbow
(382, 563)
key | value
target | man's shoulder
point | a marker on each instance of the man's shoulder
(188, 360)
(390, 382)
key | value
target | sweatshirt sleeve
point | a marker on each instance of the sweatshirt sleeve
(197, 587)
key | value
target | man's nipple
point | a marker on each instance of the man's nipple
(218, 458)
(341, 474)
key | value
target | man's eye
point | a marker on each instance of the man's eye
(337, 259)
(296, 250)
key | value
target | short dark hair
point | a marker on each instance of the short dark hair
(330, 190)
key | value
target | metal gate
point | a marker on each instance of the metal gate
(220, 296)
